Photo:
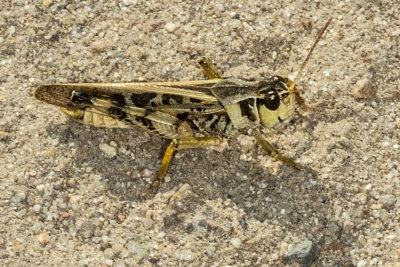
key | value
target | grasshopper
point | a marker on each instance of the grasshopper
(193, 114)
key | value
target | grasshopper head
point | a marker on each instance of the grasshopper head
(276, 97)
(276, 100)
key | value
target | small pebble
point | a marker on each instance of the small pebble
(121, 217)
(108, 262)
(105, 239)
(147, 223)
(71, 182)
(119, 263)
(40, 187)
(171, 27)
(109, 150)
(235, 24)
(221, 147)
(135, 248)
(348, 227)
(368, 188)
(304, 253)
(364, 89)
(99, 45)
(43, 238)
(388, 202)
(220, 7)
(47, 3)
(306, 23)
(117, 248)
(274, 55)
(332, 230)
(36, 208)
(129, 2)
(236, 242)
(73, 199)
(146, 173)
(235, 15)
(376, 207)
(108, 253)
(11, 30)
(167, 179)
(339, 187)
(246, 142)
(275, 256)
(360, 199)
(185, 255)
(21, 213)
(327, 72)
(385, 144)
(19, 197)
(87, 229)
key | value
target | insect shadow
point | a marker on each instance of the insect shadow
(296, 200)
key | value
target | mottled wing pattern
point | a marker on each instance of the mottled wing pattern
(164, 109)
(137, 94)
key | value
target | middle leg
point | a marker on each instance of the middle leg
(175, 145)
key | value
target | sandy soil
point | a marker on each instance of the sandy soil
(64, 201)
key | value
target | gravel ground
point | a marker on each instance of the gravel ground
(70, 192)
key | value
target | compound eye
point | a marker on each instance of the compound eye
(270, 99)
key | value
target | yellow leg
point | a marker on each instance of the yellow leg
(209, 70)
(272, 151)
(175, 145)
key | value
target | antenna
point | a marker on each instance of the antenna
(309, 55)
